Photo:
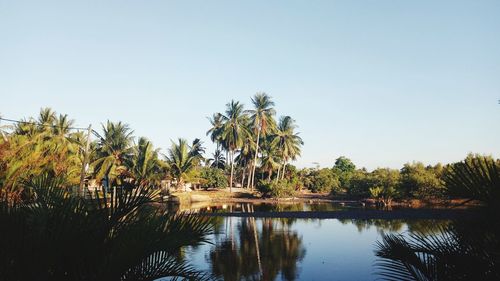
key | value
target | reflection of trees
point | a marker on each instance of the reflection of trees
(254, 255)
(384, 226)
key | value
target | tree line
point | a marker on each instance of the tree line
(254, 149)
(251, 140)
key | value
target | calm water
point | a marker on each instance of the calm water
(297, 249)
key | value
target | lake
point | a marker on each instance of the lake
(247, 248)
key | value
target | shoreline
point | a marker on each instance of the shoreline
(361, 214)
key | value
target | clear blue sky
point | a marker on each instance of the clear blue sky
(381, 82)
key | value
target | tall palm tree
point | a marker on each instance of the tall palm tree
(215, 131)
(287, 141)
(114, 150)
(182, 158)
(145, 166)
(262, 118)
(234, 132)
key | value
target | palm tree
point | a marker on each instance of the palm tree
(234, 132)
(46, 119)
(287, 141)
(215, 131)
(114, 150)
(46, 145)
(262, 122)
(218, 161)
(245, 158)
(145, 166)
(270, 159)
(182, 158)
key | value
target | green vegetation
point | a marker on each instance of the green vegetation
(54, 236)
(213, 178)
(252, 147)
(257, 146)
(279, 189)
(466, 249)
(324, 180)
(183, 158)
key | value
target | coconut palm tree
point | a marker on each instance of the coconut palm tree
(182, 158)
(262, 118)
(113, 152)
(234, 132)
(145, 166)
(245, 158)
(215, 131)
(287, 141)
(43, 146)
(270, 157)
(46, 119)
(218, 161)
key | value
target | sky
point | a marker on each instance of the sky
(382, 82)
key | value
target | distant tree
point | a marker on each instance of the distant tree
(114, 150)
(287, 141)
(145, 167)
(262, 119)
(386, 184)
(344, 168)
(420, 181)
(359, 183)
(182, 158)
(234, 132)
(213, 178)
(324, 180)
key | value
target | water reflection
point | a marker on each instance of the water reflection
(250, 254)
(247, 248)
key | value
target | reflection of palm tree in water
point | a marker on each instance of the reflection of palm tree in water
(258, 256)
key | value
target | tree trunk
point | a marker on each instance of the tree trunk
(278, 175)
(217, 157)
(249, 181)
(232, 171)
(243, 177)
(284, 170)
(255, 158)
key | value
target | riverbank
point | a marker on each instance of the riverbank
(242, 195)
(359, 214)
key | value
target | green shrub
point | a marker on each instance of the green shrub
(324, 180)
(280, 189)
(213, 178)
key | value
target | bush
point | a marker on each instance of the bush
(280, 189)
(324, 180)
(213, 178)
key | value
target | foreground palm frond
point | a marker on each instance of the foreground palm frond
(465, 250)
(55, 236)
(451, 254)
(477, 178)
